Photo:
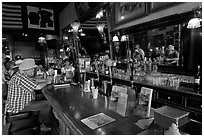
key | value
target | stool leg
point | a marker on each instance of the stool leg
(4, 117)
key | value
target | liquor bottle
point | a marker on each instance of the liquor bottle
(154, 66)
(197, 78)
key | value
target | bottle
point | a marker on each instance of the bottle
(197, 79)
(150, 64)
(154, 66)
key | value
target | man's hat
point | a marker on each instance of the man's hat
(28, 63)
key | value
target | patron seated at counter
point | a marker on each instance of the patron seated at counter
(21, 92)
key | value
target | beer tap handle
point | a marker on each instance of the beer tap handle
(97, 71)
(97, 75)
(132, 84)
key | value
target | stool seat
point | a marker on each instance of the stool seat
(30, 131)
(17, 116)
(23, 123)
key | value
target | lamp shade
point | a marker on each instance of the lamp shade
(75, 26)
(115, 38)
(41, 40)
(194, 23)
(100, 27)
(123, 38)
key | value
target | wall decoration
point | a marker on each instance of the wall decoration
(82, 7)
(128, 10)
(40, 18)
(159, 5)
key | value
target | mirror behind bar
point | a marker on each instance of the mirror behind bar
(155, 37)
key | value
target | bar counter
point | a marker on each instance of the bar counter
(72, 105)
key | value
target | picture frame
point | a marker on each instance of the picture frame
(81, 8)
(155, 6)
(40, 18)
(129, 10)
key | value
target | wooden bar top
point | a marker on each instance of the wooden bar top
(72, 105)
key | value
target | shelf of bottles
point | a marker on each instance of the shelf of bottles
(144, 71)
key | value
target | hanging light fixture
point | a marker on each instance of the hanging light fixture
(42, 40)
(100, 27)
(115, 38)
(195, 22)
(75, 26)
(124, 38)
(100, 14)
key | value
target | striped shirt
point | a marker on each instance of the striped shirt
(20, 92)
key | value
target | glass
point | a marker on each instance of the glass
(94, 92)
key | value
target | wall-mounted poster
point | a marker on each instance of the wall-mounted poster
(128, 10)
(40, 18)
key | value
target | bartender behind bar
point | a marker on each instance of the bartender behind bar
(21, 92)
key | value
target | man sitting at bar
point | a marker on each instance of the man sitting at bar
(21, 92)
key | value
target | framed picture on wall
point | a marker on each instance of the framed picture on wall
(84, 8)
(40, 18)
(129, 10)
(154, 6)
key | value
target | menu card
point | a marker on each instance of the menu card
(144, 103)
(97, 120)
(122, 103)
(116, 90)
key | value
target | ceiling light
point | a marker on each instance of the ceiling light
(124, 38)
(75, 26)
(41, 40)
(195, 22)
(100, 27)
(115, 38)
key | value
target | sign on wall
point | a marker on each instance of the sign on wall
(40, 18)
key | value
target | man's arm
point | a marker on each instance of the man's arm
(43, 84)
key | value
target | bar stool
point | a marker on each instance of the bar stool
(22, 123)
